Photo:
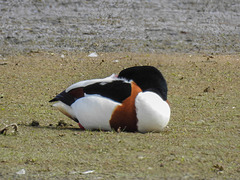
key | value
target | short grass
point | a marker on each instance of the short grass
(201, 142)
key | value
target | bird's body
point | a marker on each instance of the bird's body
(135, 100)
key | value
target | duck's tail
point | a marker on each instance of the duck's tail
(64, 104)
(66, 98)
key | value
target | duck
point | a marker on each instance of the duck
(135, 100)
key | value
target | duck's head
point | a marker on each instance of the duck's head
(148, 78)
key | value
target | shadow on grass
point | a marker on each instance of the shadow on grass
(52, 127)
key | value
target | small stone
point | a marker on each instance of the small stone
(94, 54)
(218, 167)
(87, 172)
(61, 123)
(115, 61)
(3, 63)
(140, 157)
(34, 123)
(209, 89)
(21, 172)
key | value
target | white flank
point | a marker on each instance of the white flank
(94, 111)
(92, 81)
(152, 112)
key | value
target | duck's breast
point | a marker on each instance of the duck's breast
(153, 113)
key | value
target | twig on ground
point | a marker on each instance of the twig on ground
(4, 130)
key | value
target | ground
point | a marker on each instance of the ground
(201, 141)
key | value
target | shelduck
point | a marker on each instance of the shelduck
(133, 101)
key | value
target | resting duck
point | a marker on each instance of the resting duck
(135, 100)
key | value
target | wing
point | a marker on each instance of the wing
(116, 89)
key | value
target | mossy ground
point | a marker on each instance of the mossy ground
(201, 142)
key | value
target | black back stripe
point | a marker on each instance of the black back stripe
(116, 90)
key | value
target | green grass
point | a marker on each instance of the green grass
(201, 141)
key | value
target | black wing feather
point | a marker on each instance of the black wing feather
(66, 98)
(116, 90)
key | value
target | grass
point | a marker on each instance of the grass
(201, 142)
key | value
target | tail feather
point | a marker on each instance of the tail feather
(66, 98)
(54, 99)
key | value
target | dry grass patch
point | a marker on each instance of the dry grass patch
(201, 142)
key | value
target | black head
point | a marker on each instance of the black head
(148, 78)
